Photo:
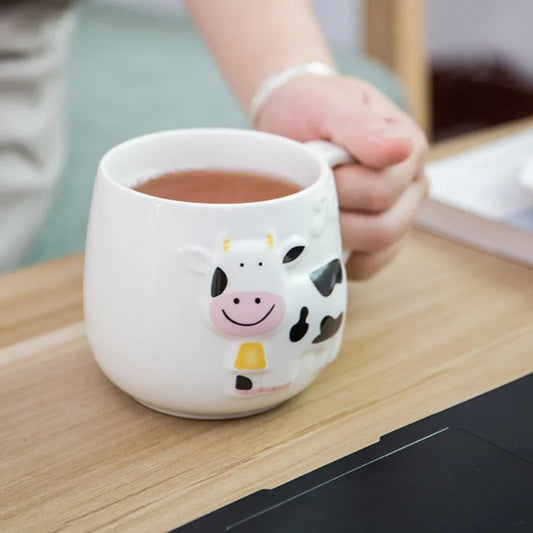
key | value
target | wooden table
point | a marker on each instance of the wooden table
(442, 324)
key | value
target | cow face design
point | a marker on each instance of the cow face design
(274, 319)
(247, 287)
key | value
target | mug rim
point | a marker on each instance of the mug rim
(324, 169)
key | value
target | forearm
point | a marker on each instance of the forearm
(251, 39)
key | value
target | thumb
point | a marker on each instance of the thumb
(370, 138)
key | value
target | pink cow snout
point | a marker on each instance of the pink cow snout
(247, 313)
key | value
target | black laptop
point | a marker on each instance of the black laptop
(466, 469)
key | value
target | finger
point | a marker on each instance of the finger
(365, 265)
(365, 189)
(369, 137)
(366, 232)
(361, 188)
(425, 184)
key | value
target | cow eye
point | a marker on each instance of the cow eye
(260, 263)
(219, 282)
(293, 254)
(242, 264)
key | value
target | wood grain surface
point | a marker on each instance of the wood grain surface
(442, 324)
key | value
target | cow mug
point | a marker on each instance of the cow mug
(215, 310)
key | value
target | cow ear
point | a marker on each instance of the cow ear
(293, 253)
(196, 259)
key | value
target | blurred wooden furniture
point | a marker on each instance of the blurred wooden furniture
(395, 34)
(442, 324)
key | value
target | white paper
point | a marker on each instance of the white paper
(484, 180)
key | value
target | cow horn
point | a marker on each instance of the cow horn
(269, 240)
(226, 245)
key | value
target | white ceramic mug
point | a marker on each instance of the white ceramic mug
(214, 310)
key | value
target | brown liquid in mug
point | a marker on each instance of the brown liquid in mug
(217, 186)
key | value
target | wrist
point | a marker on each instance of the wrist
(277, 80)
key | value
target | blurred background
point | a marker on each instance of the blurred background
(473, 59)
(137, 66)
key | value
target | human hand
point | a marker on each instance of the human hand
(380, 196)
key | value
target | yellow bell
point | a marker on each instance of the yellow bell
(251, 356)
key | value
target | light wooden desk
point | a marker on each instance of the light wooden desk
(442, 324)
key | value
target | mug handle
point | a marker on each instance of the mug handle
(334, 156)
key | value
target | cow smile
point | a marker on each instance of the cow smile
(251, 324)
